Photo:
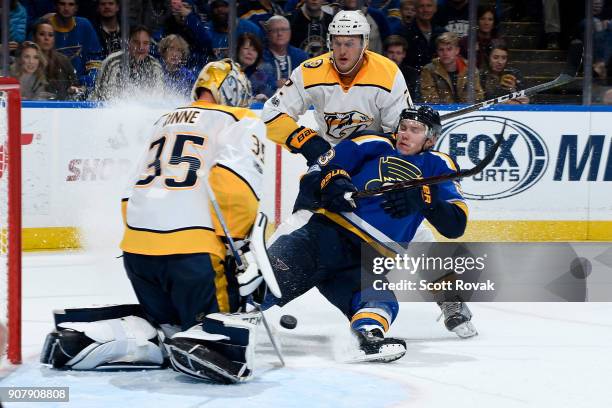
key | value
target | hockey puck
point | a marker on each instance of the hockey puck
(288, 322)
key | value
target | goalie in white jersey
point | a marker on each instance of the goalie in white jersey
(174, 245)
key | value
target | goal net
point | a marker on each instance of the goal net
(10, 219)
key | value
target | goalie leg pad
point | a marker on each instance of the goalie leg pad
(118, 343)
(220, 350)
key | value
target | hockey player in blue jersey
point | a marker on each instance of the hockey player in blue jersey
(326, 252)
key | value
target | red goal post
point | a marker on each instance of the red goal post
(10, 217)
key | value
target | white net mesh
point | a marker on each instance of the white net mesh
(3, 217)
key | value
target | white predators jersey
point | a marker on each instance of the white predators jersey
(373, 101)
(167, 209)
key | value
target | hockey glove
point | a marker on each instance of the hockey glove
(307, 142)
(336, 189)
(400, 203)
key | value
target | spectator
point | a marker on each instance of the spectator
(59, 72)
(396, 49)
(407, 12)
(258, 11)
(279, 54)
(499, 79)
(76, 38)
(107, 27)
(29, 69)
(150, 13)
(454, 16)
(389, 8)
(552, 23)
(421, 35)
(487, 31)
(174, 52)
(379, 27)
(144, 71)
(261, 75)
(18, 19)
(37, 8)
(218, 26)
(445, 79)
(310, 24)
(185, 22)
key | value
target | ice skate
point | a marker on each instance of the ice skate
(457, 318)
(374, 347)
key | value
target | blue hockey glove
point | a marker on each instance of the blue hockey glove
(400, 203)
(336, 187)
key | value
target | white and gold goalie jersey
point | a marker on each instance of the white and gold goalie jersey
(373, 100)
(167, 209)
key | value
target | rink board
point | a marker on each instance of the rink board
(549, 182)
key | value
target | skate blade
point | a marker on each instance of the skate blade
(465, 330)
(390, 353)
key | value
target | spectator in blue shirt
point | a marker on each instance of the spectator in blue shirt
(76, 38)
(174, 52)
(283, 57)
(17, 24)
(218, 27)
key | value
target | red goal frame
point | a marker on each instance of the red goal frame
(12, 162)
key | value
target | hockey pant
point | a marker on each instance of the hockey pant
(181, 289)
(322, 254)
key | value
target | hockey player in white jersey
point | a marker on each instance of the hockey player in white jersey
(174, 247)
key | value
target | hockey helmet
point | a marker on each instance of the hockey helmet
(425, 115)
(226, 81)
(349, 22)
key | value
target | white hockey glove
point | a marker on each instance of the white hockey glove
(256, 264)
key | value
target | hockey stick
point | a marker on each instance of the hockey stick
(437, 179)
(560, 80)
(239, 264)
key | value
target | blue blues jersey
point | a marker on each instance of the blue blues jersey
(372, 160)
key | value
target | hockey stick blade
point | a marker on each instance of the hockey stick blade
(436, 179)
(559, 81)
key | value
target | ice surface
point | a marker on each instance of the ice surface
(527, 354)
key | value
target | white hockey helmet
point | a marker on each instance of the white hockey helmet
(349, 22)
(226, 81)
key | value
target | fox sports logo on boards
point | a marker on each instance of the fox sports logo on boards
(519, 163)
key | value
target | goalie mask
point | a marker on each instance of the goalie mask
(226, 81)
(425, 115)
(348, 22)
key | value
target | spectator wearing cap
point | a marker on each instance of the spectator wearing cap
(421, 35)
(259, 11)
(282, 56)
(310, 24)
(144, 71)
(445, 79)
(76, 38)
(218, 28)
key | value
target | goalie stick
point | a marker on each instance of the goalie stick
(240, 265)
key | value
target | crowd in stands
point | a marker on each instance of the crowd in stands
(71, 49)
